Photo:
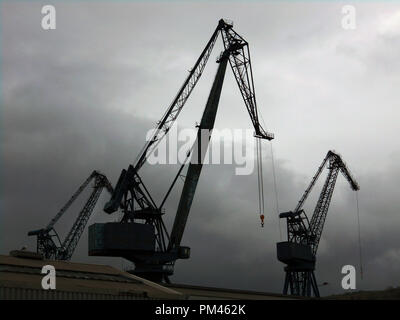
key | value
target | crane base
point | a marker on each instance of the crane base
(300, 283)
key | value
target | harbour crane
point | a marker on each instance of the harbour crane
(300, 250)
(49, 244)
(141, 236)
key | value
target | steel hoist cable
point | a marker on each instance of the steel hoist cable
(260, 180)
(276, 191)
(261, 177)
(258, 176)
(359, 237)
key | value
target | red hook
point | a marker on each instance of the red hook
(262, 220)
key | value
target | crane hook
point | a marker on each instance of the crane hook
(262, 220)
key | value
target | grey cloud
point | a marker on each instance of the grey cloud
(82, 98)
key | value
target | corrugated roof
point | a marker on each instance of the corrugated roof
(69, 274)
(20, 276)
(200, 292)
(25, 273)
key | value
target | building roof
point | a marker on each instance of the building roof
(200, 292)
(17, 272)
(21, 277)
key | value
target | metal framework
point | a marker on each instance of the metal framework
(130, 188)
(49, 244)
(299, 251)
(137, 204)
(241, 67)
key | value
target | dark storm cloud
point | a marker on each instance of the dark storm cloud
(82, 98)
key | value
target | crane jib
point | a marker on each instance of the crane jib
(241, 67)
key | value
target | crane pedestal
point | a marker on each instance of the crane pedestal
(300, 265)
(135, 242)
(300, 282)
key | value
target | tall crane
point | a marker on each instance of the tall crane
(142, 235)
(49, 244)
(300, 250)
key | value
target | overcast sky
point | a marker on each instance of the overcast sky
(83, 96)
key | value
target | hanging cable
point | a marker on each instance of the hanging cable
(261, 177)
(258, 177)
(260, 181)
(359, 236)
(276, 191)
(262, 184)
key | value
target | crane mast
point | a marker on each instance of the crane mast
(155, 260)
(299, 252)
(200, 148)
